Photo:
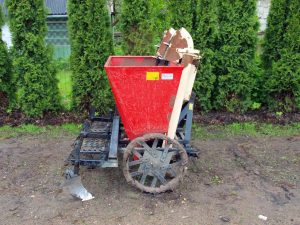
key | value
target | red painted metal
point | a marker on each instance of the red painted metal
(144, 100)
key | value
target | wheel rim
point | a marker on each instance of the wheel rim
(154, 163)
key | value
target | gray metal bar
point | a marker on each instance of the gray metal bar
(113, 145)
(189, 118)
(78, 144)
(183, 113)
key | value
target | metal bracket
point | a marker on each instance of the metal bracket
(113, 145)
(186, 117)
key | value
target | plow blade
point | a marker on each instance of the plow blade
(73, 186)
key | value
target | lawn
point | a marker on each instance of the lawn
(65, 88)
(250, 129)
(199, 131)
(31, 129)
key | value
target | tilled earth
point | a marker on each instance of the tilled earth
(233, 182)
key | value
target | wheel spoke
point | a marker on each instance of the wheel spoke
(154, 163)
(160, 177)
(143, 178)
(154, 181)
(135, 173)
(154, 145)
(137, 154)
(148, 149)
(135, 162)
(165, 153)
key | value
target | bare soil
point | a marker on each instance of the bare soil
(251, 116)
(233, 182)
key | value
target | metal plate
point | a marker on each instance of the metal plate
(93, 145)
(99, 127)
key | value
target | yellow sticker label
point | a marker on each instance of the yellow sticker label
(191, 106)
(152, 76)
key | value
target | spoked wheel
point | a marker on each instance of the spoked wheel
(154, 163)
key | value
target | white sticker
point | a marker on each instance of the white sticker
(167, 76)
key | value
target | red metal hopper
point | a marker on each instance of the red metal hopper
(144, 92)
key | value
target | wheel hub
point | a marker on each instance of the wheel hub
(154, 164)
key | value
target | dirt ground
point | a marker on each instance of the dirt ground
(233, 182)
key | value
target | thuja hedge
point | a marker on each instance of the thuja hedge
(226, 32)
(32, 65)
(138, 28)
(7, 89)
(91, 44)
(229, 77)
(182, 13)
(206, 37)
(282, 57)
(236, 68)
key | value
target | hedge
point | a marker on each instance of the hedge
(182, 13)
(282, 57)
(226, 33)
(206, 40)
(91, 45)
(7, 89)
(229, 77)
(236, 68)
(138, 27)
(32, 64)
(276, 25)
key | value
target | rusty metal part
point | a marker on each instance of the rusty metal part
(187, 59)
(177, 42)
(154, 169)
(165, 43)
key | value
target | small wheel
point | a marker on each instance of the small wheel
(154, 163)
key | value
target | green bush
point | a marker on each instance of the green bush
(206, 40)
(282, 80)
(7, 89)
(161, 17)
(138, 27)
(226, 33)
(182, 13)
(33, 68)
(273, 40)
(91, 45)
(236, 67)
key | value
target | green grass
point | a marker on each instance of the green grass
(30, 129)
(65, 88)
(199, 131)
(118, 50)
(244, 129)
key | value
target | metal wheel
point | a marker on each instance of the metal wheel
(154, 163)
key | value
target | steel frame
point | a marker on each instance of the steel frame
(113, 135)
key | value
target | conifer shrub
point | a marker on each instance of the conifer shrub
(182, 13)
(273, 40)
(282, 77)
(236, 68)
(91, 45)
(206, 40)
(226, 33)
(7, 89)
(32, 59)
(138, 27)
